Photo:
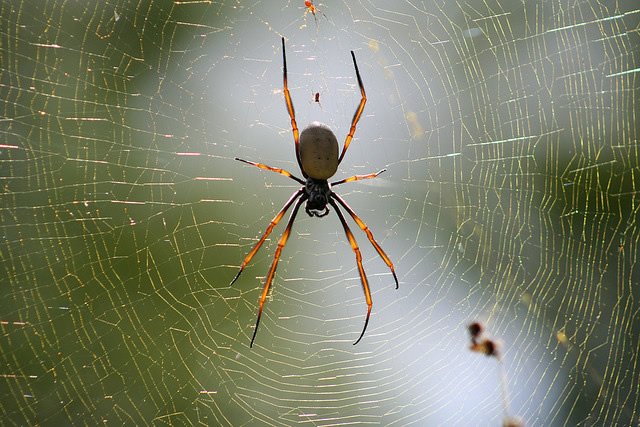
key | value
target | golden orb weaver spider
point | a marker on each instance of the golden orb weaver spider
(317, 155)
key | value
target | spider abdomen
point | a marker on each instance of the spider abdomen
(318, 151)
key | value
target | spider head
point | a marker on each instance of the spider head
(318, 193)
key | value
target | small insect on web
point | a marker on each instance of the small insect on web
(480, 343)
(316, 150)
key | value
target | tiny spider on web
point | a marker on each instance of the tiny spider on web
(313, 9)
(316, 99)
(317, 156)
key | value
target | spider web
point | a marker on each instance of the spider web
(509, 134)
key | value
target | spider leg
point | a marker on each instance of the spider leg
(274, 264)
(363, 276)
(364, 228)
(356, 177)
(273, 223)
(292, 113)
(272, 169)
(358, 112)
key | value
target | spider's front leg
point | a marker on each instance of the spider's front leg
(363, 276)
(271, 226)
(272, 271)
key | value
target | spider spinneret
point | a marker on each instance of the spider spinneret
(317, 156)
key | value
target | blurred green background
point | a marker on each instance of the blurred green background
(509, 134)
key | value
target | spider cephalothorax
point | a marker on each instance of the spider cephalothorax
(318, 193)
(317, 155)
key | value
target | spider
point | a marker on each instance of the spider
(315, 98)
(317, 156)
(313, 9)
